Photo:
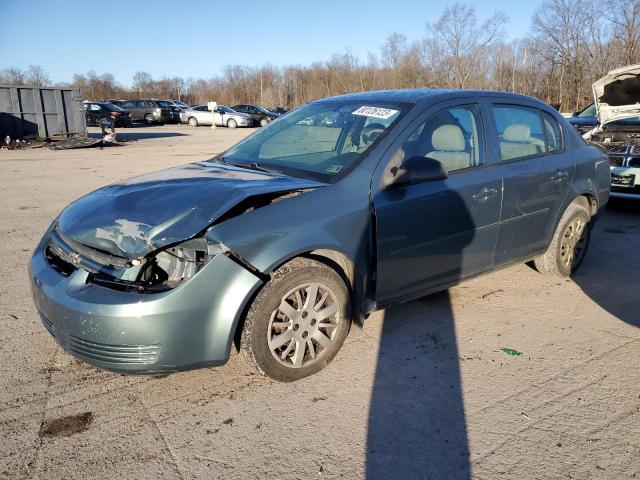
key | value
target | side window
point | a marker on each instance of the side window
(140, 104)
(452, 136)
(150, 104)
(552, 132)
(520, 131)
(129, 104)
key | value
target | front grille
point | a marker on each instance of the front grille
(616, 160)
(634, 162)
(615, 147)
(48, 324)
(120, 354)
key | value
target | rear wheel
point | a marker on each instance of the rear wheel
(569, 244)
(149, 119)
(193, 121)
(231, 123)
(298, 321)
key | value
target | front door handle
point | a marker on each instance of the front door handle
(559, 176)
(484, 194)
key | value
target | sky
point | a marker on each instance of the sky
(197, 38)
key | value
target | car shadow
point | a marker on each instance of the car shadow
(124, 135)
(416, 426)
(609, 273)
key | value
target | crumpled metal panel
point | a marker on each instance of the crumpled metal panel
(132, 218)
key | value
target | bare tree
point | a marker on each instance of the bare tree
(464, 41)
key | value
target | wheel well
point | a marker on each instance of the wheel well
(588, 201)
(333, 259)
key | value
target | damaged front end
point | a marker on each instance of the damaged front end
(150, 234)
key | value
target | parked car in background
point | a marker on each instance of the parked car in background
(151, 111)
(279, 110)
(119, 103)
(618, 128)
(261, 115)
(585, 119)
(283, 239)
(95, 112)
(224, 117)
(180, 104)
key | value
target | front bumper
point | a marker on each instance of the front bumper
(189, 326)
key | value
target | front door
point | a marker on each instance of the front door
(537, 174)
(437, 232)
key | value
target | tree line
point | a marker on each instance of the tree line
(571, 43)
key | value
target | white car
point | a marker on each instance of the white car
(224, 117)
(615, 97)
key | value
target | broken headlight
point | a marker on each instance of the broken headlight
(171, 266)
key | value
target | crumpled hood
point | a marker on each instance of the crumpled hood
(137, 216)
(617, 94)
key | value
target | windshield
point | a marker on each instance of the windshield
(224, 109)
(320, 141)
(262, 109)
(590, 111)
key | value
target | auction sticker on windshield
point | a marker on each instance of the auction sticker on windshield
(377, 112)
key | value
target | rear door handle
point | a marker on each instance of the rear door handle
(484, 194)
(558, 177)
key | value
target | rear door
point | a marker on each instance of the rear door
(436, 232)
(537, 173)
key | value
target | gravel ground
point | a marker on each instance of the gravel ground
(424, 391)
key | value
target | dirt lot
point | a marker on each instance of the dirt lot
(424, 392)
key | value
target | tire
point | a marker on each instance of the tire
(281, 322)
(568, 245)
(149, 119)
(231, 123)
(264, 122)
(193, 121)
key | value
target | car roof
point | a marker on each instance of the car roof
(417, 95)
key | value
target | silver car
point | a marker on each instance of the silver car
(224, 117)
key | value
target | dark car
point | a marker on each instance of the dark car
(278, 243)
(260, 115)
(150, 110)
(96, 112)
(279, 111)
(586, 119)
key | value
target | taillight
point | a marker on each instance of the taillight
(115, 114)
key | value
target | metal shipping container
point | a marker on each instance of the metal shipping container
(40, 112)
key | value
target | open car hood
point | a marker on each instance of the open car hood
(617, 94)
(135, 217)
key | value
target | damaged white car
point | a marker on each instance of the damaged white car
(617, 99)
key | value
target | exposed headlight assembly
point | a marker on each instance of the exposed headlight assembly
(172, 266)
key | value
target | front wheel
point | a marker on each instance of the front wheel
(569, 244)
(193, 121)
(298, 321)
(232, 123)
(263, 122)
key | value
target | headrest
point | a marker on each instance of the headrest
(517, 133)
(448, 138)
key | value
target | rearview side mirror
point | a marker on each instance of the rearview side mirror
(418, 169)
